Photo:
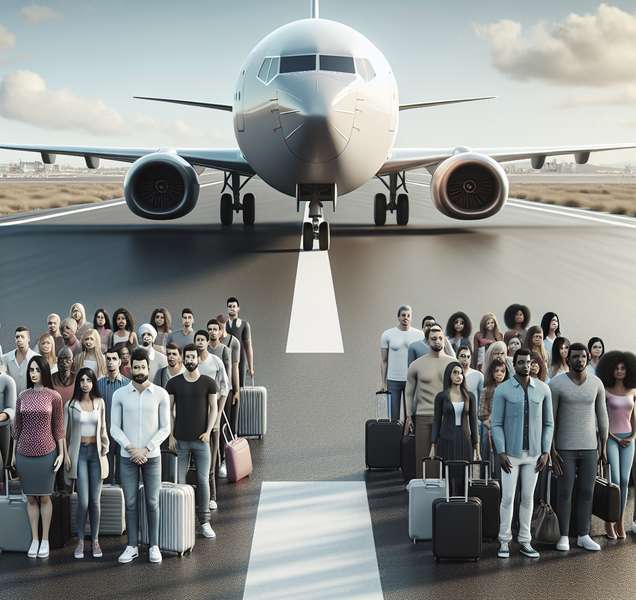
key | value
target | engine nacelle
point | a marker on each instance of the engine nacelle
(161, 186)
(469, 186)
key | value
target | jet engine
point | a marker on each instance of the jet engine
(161, 186)
(469, 186)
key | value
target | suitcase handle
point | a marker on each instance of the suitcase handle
(432, 459)
(608, 471)
(466, 465)
(176, 464)
(387, 395)
(229, 428)
(485, 463)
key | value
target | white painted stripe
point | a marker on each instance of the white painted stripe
(581, 211)
(314, 326)
(420, 184)
(313, 540)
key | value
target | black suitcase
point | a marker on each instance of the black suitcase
(489, 492)
(407, 457)
(60, 531)
(457, 532)
(383, 439)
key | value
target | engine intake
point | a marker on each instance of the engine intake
(161, 186)
(469, 186)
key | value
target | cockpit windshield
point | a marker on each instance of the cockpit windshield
(339, 64)
(300, 62)
(273, 65)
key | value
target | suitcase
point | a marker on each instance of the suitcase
(177, 517)
(15, 532)
(383, 440)
(60, 531)
(407, 457)
(422, 493)
(252, 418)
(489, 492)
(457, 523)
(113, 512)
(606, 504)
(238, 458)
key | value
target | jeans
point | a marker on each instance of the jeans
(396, 394)
(201, 453)
(129, 478)
(524, 467)
(89, 489)
(620, 460)
(579, 466)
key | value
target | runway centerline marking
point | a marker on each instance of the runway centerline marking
(314, 326)
(313, 540)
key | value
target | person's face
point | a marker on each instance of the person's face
(76, 313)
(554, 324)
(200, 342)
(404, 318)
(563, 352)
(519, 317)
(64, 364)
(464, 358)
(522, 365)
(53, 325)
(457, 376)
(89, 343)
(499, 355)
(187, 319)
(490, 325)
(429, 323)
(125, 357)
(67, 332)
(190, 360)
(146, 339)
(215, 333)
(86, 385)
(139, 371)
(232, 309)
(436, 340)
(499, 374)
(537, 338)
(22, 340)
(597, 349)
(221, 331)
(35, 374)
(120, 321)
(535, 368)
(160, 320)
(620, 372)
(173, 357)
(513, 345)
(458, 325)
(578, 361)
(113, 362)
(45, 346)
(100, 319)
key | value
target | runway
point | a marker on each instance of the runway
(573, 262)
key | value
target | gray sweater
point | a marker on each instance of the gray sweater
(578, 411)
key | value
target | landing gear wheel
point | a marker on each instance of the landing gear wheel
(227, 214)
(379, 209)
(249, 209)
(402, 209)
(308, 236)
(324, 236)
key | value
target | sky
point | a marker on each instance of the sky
(563, 71)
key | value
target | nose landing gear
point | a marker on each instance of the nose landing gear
(318, 229)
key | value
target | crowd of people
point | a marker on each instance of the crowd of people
(100, 401)
(521, 399)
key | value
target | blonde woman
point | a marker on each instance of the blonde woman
(91, 355)
(488, 333)
(78, 314)
(46, 348)
(497, 352)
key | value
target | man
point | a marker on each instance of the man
(241, 329)
(217, 348)
(69, 329)
(420, 347)
(522, 428)
(227, 339)
(394, 344)
(140, 421)
(424, 380)
(17, 360)
(147, 336)
(107, 386)
(193, 408)
(53, 326)
(7, 414)
(578, 400)
(64, 378)
(175, 366)
(474, 379)
(183, 336)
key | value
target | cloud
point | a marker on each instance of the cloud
(7, 39)
(622, 97)
(584, 50)
(36, 13)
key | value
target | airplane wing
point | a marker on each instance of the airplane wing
(406, 159)
(226, 159)
(430, 103)
(225, 107)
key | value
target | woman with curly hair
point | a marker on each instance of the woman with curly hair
(487, 334)
(617, 371)
(161, 320)
(496, 374)
(458, 330)
(517, 317)
(538, 368)
(559, 359)
(596, 348)
(534, 342)
(124, 329)
(550, 325)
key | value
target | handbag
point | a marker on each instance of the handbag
(607, 497)
(545, 523)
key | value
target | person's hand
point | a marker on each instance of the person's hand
(506, 465)
(172, 443)
(477, 455)
(3, 417)
(557, 463)
(542, 461)
(138, 455)
(235, 398)
(383, 389)
(602, 456)
(59, 459)
(67, 462)
(625, 442)
(251, 372)
(408, 425)
(205, 437)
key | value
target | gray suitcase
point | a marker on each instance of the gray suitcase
(15, 531)
(113, 512)
(422, 493)
(252, 418)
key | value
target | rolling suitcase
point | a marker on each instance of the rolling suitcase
(15, 531)
(407, 457)
(383, 439)
(489, 492)
(252, 418)
(113, 512)
(60, 531)
(238, 457)
(457, 523)
(422, 493)
(177, 517)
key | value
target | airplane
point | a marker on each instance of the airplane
(315, 114)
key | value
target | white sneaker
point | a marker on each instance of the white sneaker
(223, 471)
(213, 505)
(79, 549)
(154, 554)
(43, 552)
(128, 555)
(585, 541)
(504, 550)
(33, 549)
(563, 544)
(207, 531)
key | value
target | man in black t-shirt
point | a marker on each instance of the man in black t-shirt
(194, 411)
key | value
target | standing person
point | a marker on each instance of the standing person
(596, 348)
(517, 318)
(39, 438)
(240, 328)
(458, 330)
(16, 361)
(522, 428)
(85, 461)
(487, 334)
(69, 330)
(420, 347)
(473, 379)
(175, 366)
(101, 324)
(91, 355)
(185, 336)
(193, 407)
(46, 348)
(538, 369)
(106, 388)
(53, 327)
(124, 329)
(78, 314)
(497, 352)
(514, 341)
(64, 379)
(578, 399)
(217, 348)
(161, 320)
(394, 345)
(124, 355)
(551, 330)
(425, 379)
(534, 343)
(559, 359)
(140, 421)
(158, 360)
(617, 371)
(7, 414)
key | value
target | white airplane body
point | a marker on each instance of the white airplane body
(316, 112)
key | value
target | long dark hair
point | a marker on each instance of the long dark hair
(77, 391)
(545, 323)
(130, 323)
(607, 365)
(450, 325)
(463, 391)
(107, 324)
(557, 361)
(167, 319)
(593, 341)
(45, 372)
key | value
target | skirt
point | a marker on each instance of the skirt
(36, 473)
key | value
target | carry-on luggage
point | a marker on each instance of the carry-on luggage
(489, 492)
(112, 508)
(15, 531)
(60, 531)
(238, 458)
(252, 418)
(457, 532)
(407, 457)
(606, 504)
(545, 523)
(177, 520)
(383, 439)
(422, 493)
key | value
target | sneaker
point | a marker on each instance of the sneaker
(33, 549)
(504, 551)
(207, 531)
(97, 550)
(585, 541)
(154, 554)
(128, 555)
(43, 552)
(213, 505)
(527, 550)
(223, 471)
(79, 549)
(563, 544)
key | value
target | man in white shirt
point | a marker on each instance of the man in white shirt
(147, 336)
(17, 360)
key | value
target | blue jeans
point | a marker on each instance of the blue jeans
(129, 478)
(396, 394)
(201, 453)
(620, 460)
(89, 489)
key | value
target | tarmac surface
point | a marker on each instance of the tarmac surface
(573, 262)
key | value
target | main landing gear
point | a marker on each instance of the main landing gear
(398, 203)
(317, 229)
(231, 203)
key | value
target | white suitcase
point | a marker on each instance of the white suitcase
(422, 493)
(252, 418)
(113, 512)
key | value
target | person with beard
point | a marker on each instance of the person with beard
(140, 422)
(63, 378)
(522, 428)
(69, 329)
(53, 327)
(158, 360)
(580, 412)
(16, 361)
(420, 347)
(193, 408)
(175, 365)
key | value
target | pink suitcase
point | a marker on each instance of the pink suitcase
(238, 457)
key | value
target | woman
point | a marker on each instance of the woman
(551, 330)
(617, 371)
(496, 374)
(458, 330)
(101, 324)
(162, 322)
(487, 334)
(497, 352)
(596, 348)
(538, 368)
(517, 317)
(124, 355)
(455, 435)
(534, 342)
(514, 342)
(124, 329)
(86, 461)
(91, 355)
(39, 438)
(78, 314)
(46, 348)
(559, 359)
